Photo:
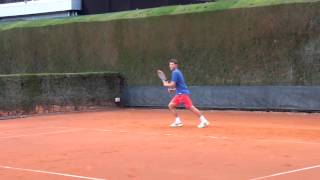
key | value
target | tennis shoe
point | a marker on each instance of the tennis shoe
(203, 124)
(176, 124)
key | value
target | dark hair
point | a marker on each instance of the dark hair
(173, 61)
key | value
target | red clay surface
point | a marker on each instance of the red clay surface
(138, 144)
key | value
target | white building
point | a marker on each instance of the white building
(36, 9)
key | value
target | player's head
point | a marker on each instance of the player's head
(173, 64)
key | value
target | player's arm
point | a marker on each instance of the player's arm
(170, 84)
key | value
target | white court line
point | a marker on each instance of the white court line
(123, 131)
(216, 137)
(213, 137)
(53, 173)
(168, 134)
(37, 134)
(287, 172)
(106, 130)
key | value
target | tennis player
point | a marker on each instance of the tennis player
(182, 96)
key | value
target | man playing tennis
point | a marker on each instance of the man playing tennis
(182, 96)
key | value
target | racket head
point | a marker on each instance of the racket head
(161, 75)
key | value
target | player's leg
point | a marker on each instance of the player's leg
(189, 105)
(203, 121)
(172, 107)
(195, 111)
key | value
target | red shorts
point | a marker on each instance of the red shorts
(182, 98)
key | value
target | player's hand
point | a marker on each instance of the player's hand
(171, 90)
(165, 83)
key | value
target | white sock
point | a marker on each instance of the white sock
(203, 119)
(178, 120)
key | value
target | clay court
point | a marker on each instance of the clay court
(120, 144)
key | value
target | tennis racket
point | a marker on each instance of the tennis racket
(162, 75)
(163, 78)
